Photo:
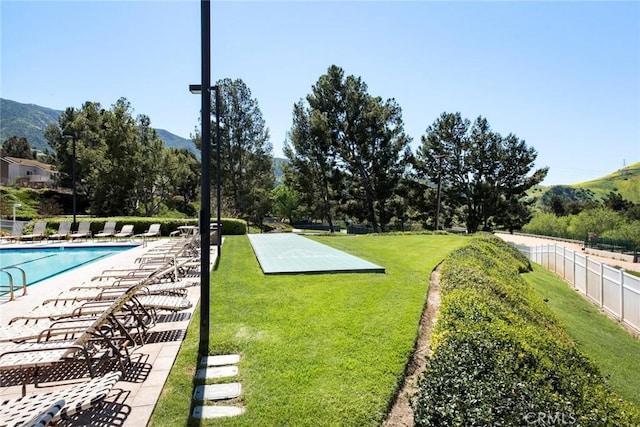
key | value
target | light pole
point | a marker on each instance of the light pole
(205, 184)
(219, 224)
(440, 157)
(15, 205)
(68, 134)
(196, 89)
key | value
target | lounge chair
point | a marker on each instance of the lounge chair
(105, 337)
(16, 231)
(83, 232)
(57, 404)
(23, 329)
(125, 231)
(108, 231)
(153, 231)
(39, 232)
(64, 229)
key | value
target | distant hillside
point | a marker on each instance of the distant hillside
(30, 121)
(624, 181)
(26, 120)
(174, 141)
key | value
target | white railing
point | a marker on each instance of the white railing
(614, 290)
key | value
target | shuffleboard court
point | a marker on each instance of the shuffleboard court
(287, 253)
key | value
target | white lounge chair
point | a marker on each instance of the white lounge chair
(104, 337)
(64, 229)
(125, 231)
(153, 231)
(57, 404)
(16, 231)
(108, 231)
(38, 232)
(83, 232)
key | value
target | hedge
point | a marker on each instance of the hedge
(230, 226)
(500, 357)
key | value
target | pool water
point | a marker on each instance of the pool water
(42, 263)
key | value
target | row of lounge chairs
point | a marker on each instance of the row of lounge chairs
(83, 232)
(102, 320)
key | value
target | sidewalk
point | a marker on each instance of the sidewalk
(537, 241)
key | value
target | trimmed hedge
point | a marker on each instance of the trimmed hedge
(230, 226)
(500, 357)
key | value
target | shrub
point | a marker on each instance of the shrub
(547, 224)
(500, 356)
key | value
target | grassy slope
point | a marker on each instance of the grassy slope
(614, 351)
(625, 181)
(316, 349)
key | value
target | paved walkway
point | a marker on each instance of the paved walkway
(134, 397)
(610, 258)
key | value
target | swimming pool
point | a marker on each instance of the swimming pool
(42, 263)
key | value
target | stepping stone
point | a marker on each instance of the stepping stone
(220, 360)
(217, 391)
(217, 372)
(202, 412)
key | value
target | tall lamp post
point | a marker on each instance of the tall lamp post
(15, 205)
(197, 89)
(439, 157)
(72, 135)
(205, 184)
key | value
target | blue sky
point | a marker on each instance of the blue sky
(563, 76)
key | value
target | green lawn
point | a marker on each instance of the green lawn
(317, 350)
(613, 350)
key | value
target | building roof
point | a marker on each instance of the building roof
(29, 162)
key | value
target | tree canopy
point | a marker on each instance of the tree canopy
(484, 175)
(16, 147)
(121, 163)
(246, 155)
(348, 150)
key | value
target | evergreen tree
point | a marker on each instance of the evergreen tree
(484, 175)
(246, 154)
(16, 147)
(355, 144)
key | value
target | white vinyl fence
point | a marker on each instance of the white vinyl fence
(612, 289)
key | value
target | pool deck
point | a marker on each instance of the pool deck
(134, 397)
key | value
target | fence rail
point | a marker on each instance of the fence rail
(614, 290)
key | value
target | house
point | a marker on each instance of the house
(26, 172)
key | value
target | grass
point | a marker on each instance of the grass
(317, 350)
(612, 349)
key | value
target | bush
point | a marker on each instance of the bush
(547, 224)
(141, 224)
(500, 356)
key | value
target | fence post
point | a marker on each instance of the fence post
(586, 274)
(621, 294)
(575, 279)
(601, 284)
(564, 265)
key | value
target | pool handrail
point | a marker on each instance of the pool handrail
(11, 286)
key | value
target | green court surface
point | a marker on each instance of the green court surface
(287, 253)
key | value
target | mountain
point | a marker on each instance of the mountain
(26, 120)
(174, 141)
(30, 121)
(625, 181)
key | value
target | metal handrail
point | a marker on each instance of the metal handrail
(11, 286)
